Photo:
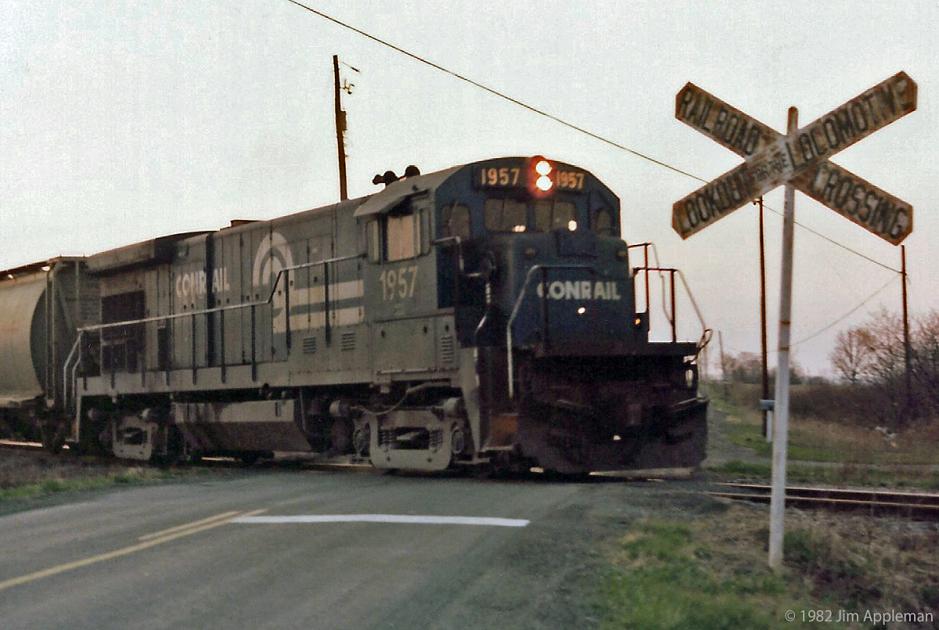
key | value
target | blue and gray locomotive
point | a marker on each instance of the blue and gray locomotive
(483, 315)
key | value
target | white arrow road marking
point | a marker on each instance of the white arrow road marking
(382, 518)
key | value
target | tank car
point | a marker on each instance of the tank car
(482, 315)
(41, 307)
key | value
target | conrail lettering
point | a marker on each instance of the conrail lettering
(194, 283)
(580, 290)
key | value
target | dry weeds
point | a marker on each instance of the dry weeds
(856, 562)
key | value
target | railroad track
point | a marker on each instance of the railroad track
(20, 446)
(918, 506)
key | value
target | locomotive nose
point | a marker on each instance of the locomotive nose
(564, 288)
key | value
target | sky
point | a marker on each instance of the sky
(121, 121)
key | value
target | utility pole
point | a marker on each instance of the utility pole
(907, 351)
(340, 130)
(765, 368)
(724, 381)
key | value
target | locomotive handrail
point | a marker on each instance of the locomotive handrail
(705, 337)
(518, 305)
(459, 246)
(66, 381)
(671, 271)
(158, 318)
(218, 309)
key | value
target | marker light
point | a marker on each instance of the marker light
(572, 225)
(581, 310)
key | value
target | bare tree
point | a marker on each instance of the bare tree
(925, 344)
(853, 354)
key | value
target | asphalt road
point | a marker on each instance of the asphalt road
(180, 555)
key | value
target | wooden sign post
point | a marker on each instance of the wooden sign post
(800, 160)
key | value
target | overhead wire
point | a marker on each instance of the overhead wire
(590, 134)
(557, 119)
(845, 315)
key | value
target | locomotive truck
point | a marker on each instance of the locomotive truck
(482, 315)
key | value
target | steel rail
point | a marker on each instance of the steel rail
(914, 505)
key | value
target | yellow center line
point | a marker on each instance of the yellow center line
(163, 532)
(117, 553)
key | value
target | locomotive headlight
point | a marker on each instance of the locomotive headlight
(541, 175)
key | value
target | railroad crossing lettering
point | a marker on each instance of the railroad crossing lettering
(773, 159)
(858, 200)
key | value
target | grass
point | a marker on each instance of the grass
(812, 439)
(709, 572)
(93, 481)
(25, 476)
(665, 575)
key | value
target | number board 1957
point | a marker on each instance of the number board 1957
(513, 177)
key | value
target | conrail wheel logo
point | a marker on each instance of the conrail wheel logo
(272, 256)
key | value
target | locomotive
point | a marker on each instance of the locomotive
(483, 315)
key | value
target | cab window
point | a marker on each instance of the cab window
(455, 221)
(601, 221)
(504, 215)
(555, 215)
(401, 240)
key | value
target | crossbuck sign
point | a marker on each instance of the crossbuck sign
(801, 159)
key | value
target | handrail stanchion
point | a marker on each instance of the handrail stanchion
(674, 318)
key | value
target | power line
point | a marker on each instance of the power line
(494, 92)
(846, 315)
(556, 119)
(834, 242)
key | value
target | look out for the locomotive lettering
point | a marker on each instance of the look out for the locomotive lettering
(861, 202)
(722, 122)
(802, 159)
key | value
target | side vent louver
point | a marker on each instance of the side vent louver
(347, 341)
(447, 352)
(309, 345)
